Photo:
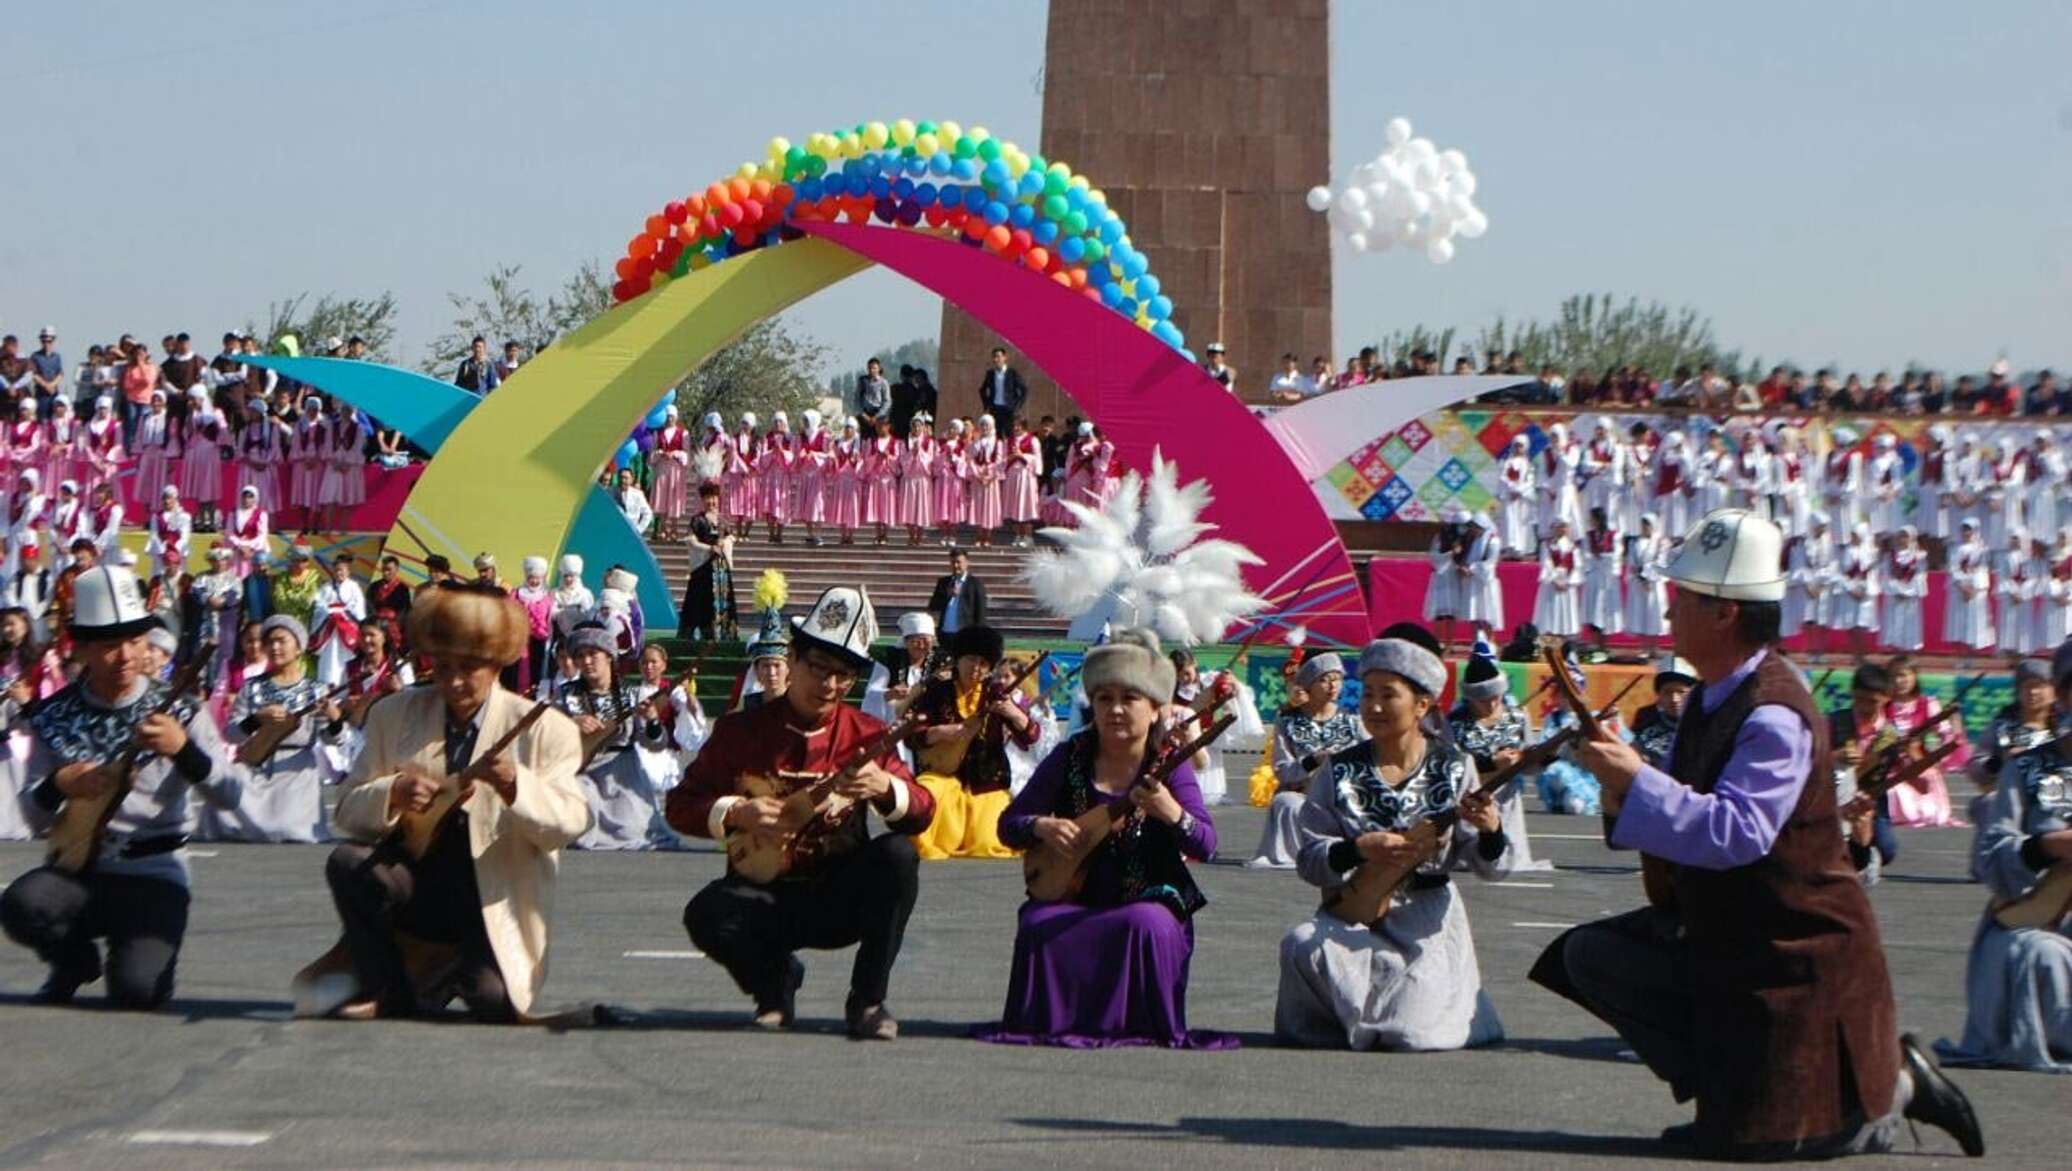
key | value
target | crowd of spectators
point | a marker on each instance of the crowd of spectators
(1698, 388)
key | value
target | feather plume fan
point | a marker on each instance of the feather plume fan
(771, 590)
(1139, 560)
(710, 463)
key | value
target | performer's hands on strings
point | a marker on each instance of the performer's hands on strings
(1063, 833)
(1613, 762)
(161, 734)
(413, 790)
(756, 815)
(1156, 801)
(1398, 851)
(1480, 811)
(867, 782)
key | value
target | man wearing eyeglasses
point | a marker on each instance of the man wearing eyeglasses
(841, 886)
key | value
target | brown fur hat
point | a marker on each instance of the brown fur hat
(468, 622)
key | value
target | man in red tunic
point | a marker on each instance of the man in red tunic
(842, 886)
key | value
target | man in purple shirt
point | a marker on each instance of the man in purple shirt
(1754, 983)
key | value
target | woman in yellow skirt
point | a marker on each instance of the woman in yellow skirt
(961, 758)
(1263, 784)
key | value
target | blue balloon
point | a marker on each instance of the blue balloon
(1135, 266)
(924, 195)
(1022, 215)
(811, 188)
(1128, 308)
(996, 212)
(939, 164)
(628, 452)
(1044, 232)
(916, 166)
(1075, 198)
(1111, 295)
(1160, 308)
(881, 187)
(658, 418)
(1147, 285)
(890, 162)
(975, 200)
(1111, 231)
(902, 189)
(1166, 332)
(1029, 184)
(1072, 250)
(965, 170)
(1097, 275)
(996, 175)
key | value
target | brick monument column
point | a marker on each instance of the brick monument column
(1204, 121)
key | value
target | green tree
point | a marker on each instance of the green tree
(507, 310)
(1592, 331)
(766, 369)
(371, 319)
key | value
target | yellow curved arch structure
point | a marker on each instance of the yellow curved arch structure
(511, 479)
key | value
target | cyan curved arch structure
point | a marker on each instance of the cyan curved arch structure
(513, 476)
(427, 412)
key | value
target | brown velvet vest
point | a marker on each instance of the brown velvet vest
(1795, 1026)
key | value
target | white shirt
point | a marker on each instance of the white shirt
(1301, 384)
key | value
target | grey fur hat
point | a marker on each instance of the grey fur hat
(1132, 659)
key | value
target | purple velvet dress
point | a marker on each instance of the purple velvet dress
(1109, 968)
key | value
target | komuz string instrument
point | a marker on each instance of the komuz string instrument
(946, 757)
(81, 822)
(812, 809)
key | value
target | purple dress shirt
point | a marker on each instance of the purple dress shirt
(1738, 821)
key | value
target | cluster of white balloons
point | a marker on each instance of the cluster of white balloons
(1413, 194)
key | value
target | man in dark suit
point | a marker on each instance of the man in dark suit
(959, 599)
(1001, 392)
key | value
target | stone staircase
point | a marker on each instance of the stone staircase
(898, 578)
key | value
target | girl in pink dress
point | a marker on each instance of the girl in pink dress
(1925, 800)
(25, 442)
(881, 505)
(773, 476)
(987, 459)
(1020, 499)
(155, 438)
(100, 448)
(952, 472)
(672, 464)
(846, 483)
(1080, 468)
(261, 446)
(60, 444)
(916, 478)
(812, 456)
(1107, 471)
(67, 518)
(247, 531)
(345, 471)
(201, 461)
(311, 454)
(738, 485)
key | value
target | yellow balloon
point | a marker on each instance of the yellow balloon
(925, 145)
(979, 134)
(903, 132)
(747, 170)
(1061, 171)
(948, 132)
(1097, 197)
(1017, 167)
(852, 145)
(778, 147)
(875, 135)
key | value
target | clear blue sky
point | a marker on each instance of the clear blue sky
(1860, 182)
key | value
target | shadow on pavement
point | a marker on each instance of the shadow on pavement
(1327, 1134)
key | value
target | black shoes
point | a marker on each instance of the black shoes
(1937, 1101)
(871, 1022)
(779, 1012)
(70, 974)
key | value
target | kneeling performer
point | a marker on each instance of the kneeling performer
(1759, 987)
(805, 872)
(458, 807)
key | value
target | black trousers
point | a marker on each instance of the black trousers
(863, 897)
(59, 916)
(380, 890)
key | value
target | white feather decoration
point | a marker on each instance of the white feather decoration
(1139, 561)
(709, 464)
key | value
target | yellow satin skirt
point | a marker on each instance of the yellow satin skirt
(1262, 784)
(966, 825)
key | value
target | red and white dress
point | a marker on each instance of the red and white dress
(261, 447)
(60, 448)
(101, 454)
(171, 530)
(104, 526)
(1083, 467)
(67, 524)
(201, 459)
(345, 465)
(246, 534)
(1021, 499)
(952, 470)
(811, 455)
(845, 486)
(312, 457)
(25, 449)
(986, 458)
(27, 513)
(773, 476)
(156, 443)
(916, 486)
(881, 472)
(672, 461)
(738, 499)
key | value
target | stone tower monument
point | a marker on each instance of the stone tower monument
(1204, 121)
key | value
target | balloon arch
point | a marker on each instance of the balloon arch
(1022, 244)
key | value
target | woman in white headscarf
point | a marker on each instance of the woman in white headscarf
(2056, 606)
(1517, 489)
(1906, 588)
(809, 473)
(1647, 597)
(1856, 598)
(1968, 610)
(2015, 589)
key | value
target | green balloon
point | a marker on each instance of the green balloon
(965, 148)
(794, 156)
(1055, 207)
(989, 149)
(1094, 248)
(682, 265)
(816, 166)
(921, 128)
(1053, 183)
(1073, 222)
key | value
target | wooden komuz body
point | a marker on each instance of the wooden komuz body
(811, 808)
(260, 746)
(75, 832)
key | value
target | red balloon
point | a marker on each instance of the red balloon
(934, 217)
(783, 194)
(744, 235)
(974, 227)
(676, 213)
(643, 268)
(624, 267)
(731, 215)
(638, 285)
(1019, 241)
(751, 210)
(622, 291)
(1091, 293)
(708, 224)
(671, 249)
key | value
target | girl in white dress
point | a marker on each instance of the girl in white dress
(1809, 566)
(1481, 593)
(1710, 474)
(1647, 602)
(2056, 606)
(2047, 476)
(1442, 593)
(1793, 490)
(1968, 611)
(1642, 453)
(1989, 480)
(1517, 488)
(1672, 488)
(1906, 585)
(1886, 478)
(1604, 608)
(1558, 497)
(1856, 596)
(1841, 480)
(2014, 594)
(1558, 607)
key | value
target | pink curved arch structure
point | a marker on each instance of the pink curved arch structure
(1145, 395)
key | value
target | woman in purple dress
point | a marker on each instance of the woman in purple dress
(1109, 967)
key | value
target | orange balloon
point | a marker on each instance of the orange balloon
(718, 195)
(639, 246)
(1078, 276)
(658, 225)
(687, 232)
(1061, 279)
(695, 204)
(760, 189)
(974, 227)
(997, 238)
(737, 187)
(1037, 258)
(624, 267)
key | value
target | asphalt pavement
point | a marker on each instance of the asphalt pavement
(224, 1078)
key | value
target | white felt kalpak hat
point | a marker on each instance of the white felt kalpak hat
(841, 623)
(1731, 553)
(916, 623)
(107, 604)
